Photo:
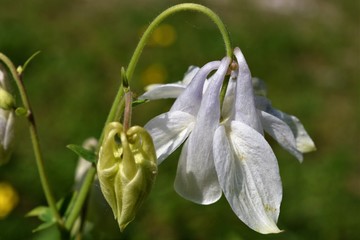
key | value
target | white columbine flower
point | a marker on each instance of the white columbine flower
(231, 156)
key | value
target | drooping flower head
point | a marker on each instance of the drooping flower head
(224, 146)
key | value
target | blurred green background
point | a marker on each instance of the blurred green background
(307, 51)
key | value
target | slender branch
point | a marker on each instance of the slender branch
(34, 139)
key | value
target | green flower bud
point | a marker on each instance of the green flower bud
(126, 170)
(7, 101)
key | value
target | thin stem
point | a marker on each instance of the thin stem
(128, 110)
(128, 101)
(34, 139)
(177, 8)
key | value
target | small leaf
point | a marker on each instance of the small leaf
(37, 211)
(83, 153)
(43, 226)
(43, 213)
(138, 102)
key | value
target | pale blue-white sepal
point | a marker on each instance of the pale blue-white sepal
(281, 132)
(249, 176)
(168, 131)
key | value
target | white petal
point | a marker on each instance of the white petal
(249, 176)
(227, 111)
(245, 110)
(190, 99)
(281, 132)
(196, 178)
(160, 91)
(169, 131)
(304, 143)
(171, 90)
(190, 74)
(200, 186)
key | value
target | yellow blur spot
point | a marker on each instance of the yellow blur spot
(8, 199)
(163, 36)
(155, 73)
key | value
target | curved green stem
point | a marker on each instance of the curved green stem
(177, 8)
(117, 107)
(34, 139)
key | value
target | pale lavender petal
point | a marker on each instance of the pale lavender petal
(169, 131)
(190, 99)
(249, 176)
(259, 87)
(9, 130)
(171, 90)
(281, 132)
(262, 103)
(190, 74)
(304, 143)
(196, 178)
(161, 91)
(228, 110)
(245, 110)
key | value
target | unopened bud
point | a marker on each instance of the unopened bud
(126, 170)
(7, 101)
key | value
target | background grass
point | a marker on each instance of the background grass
(307, 51)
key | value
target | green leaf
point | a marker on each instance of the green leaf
(43, 226)
(138, 102)
(44, 213)
(83, 153)
(39, 211)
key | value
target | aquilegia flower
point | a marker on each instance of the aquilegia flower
(224, 150)
(7, 119)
